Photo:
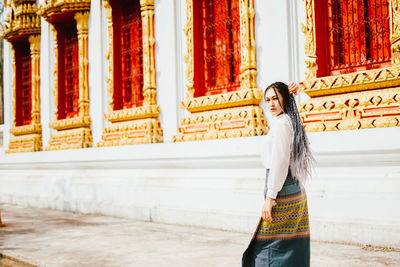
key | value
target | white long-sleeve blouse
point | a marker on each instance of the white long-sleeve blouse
(276, 154)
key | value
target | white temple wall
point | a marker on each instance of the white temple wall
(352, 197)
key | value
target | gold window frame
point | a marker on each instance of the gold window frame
(137, 125)
(71, 133)
(25, 23)
(233, 114)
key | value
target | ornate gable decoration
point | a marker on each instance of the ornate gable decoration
(52, 8)
(21, 20)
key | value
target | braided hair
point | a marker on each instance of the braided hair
(302, 160)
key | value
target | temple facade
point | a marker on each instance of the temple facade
(154, 110)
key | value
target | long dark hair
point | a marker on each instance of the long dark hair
(302, 160)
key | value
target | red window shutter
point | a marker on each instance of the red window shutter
(68, 70)
(128, 54)
(220, 26)
(71, 72)
(23, 83)
(358, 35)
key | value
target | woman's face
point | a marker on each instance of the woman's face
(273, 102)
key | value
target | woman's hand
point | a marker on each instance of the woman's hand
(266, 213)
(293, 88)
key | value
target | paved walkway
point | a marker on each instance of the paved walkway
(55, 238)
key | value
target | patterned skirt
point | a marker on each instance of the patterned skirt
(285, 241)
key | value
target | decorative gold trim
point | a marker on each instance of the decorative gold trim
(140, 124)
(34, 41)
(26, 129)
(82, 19)
(394, 11)
(142, 112)
(248, 62)
(25, 143)
(71, 139)
(310, 45)
(141, 131)
(371, 109)
(227, 105)
(110, 55)
(246, 96)
(352, 82)
(55, 70)
(14, 85)
(71, 123)
(149, 68)
(223, 123)
(188, 29)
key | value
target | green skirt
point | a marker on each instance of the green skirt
(286, 240)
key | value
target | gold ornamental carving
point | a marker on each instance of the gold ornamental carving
(223, 123)
(22, 20)
(395, 30)
(217, 116)
(371, 109)
(352, 82)
(72, 133)
(52, 8)
(22, 24)
(138, 125)
(359, 100)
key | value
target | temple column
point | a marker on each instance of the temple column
(46, 81)
(96, 84)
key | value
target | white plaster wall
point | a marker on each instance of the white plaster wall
(353, 196)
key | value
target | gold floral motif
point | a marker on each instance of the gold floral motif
(245, 99)
(136, 125)
(370, 109)
(223, 123)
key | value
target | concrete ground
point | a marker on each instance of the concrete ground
(43, 237)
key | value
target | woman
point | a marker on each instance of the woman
(282, 237)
